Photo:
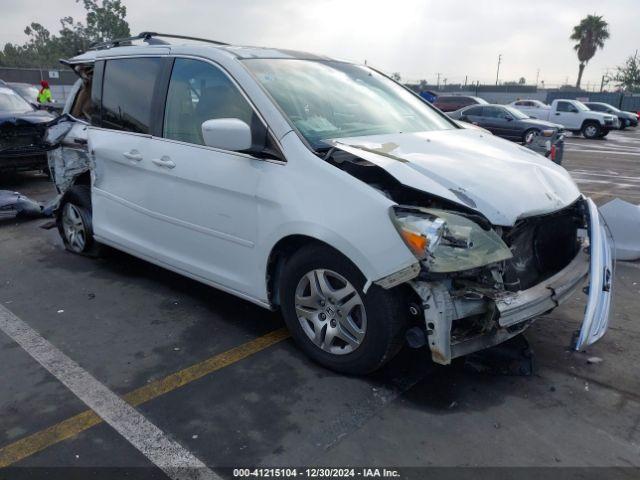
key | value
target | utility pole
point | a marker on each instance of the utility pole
(438, 81)
(602, 82)
(465, 81)
(537, 77)
(498, 71)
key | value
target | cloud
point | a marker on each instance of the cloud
(416, 38)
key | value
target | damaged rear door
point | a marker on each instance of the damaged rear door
(69, 133)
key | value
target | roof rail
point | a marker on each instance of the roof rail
(148, 37)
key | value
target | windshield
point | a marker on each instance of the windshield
(516, 113)
(580, 106)
(28, 92)
(326, 99)
(10, 101)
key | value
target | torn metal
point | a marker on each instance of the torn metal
(70, 159)
(14, 204)
(483, 284)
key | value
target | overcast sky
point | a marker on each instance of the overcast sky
(416, 38)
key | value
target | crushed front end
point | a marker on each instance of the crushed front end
(22, 144)
(480, 285)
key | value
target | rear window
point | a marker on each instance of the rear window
(127, 93)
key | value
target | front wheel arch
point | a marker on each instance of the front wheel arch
(284, 249)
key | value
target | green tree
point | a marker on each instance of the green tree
(590, 33)
(627, 76)
(104, 20)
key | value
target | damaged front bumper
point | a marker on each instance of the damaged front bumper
(506, 314)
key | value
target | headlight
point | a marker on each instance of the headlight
(447, 242)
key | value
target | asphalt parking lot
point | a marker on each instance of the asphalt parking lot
(221, 378)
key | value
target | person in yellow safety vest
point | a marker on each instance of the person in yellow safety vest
(44, 95)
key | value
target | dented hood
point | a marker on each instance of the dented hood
(500, 179)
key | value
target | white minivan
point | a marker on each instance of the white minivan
(328, 191)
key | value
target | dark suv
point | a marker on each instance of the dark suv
(450, 103)
(22, 129)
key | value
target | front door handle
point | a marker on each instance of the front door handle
(134, 155)
(163, 161)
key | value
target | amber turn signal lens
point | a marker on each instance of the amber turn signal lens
(416, 242)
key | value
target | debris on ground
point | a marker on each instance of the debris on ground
(14, 204)
(594, 360)
(512, 358)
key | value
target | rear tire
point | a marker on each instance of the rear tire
(74, 221)
(320, 315)
(591, 130)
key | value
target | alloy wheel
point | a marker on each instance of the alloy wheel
(74, 228)
(590, 131)
(330, 311)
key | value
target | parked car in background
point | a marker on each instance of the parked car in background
(22, 130)
(575, 116)
(531, 107)
(30, 93)
(506, 122)
(626, 119)
(450, 103)
(428, 95)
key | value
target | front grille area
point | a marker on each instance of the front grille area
(21, 139)
(542, 246)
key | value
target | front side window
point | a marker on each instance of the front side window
(198, 92)
(327, 99)
(566, 107)
(493, 112)
(127, 93)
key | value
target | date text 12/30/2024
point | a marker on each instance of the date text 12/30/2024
(315, 473)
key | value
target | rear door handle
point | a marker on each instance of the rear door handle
(164, 161)
(134, 155)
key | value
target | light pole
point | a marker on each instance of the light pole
(498, 71)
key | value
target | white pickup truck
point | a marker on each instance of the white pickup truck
(575, 116)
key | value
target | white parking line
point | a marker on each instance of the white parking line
(177, 462)
(612, 152)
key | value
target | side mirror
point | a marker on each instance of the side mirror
(464, 118)
(508, 118)
(227, 134)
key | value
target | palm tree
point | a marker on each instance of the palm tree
(590, 34)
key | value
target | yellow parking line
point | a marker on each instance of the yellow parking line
(72, 426)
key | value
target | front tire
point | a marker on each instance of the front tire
(332, 320)
(591, 130)
(528, 135)
(74, 221)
